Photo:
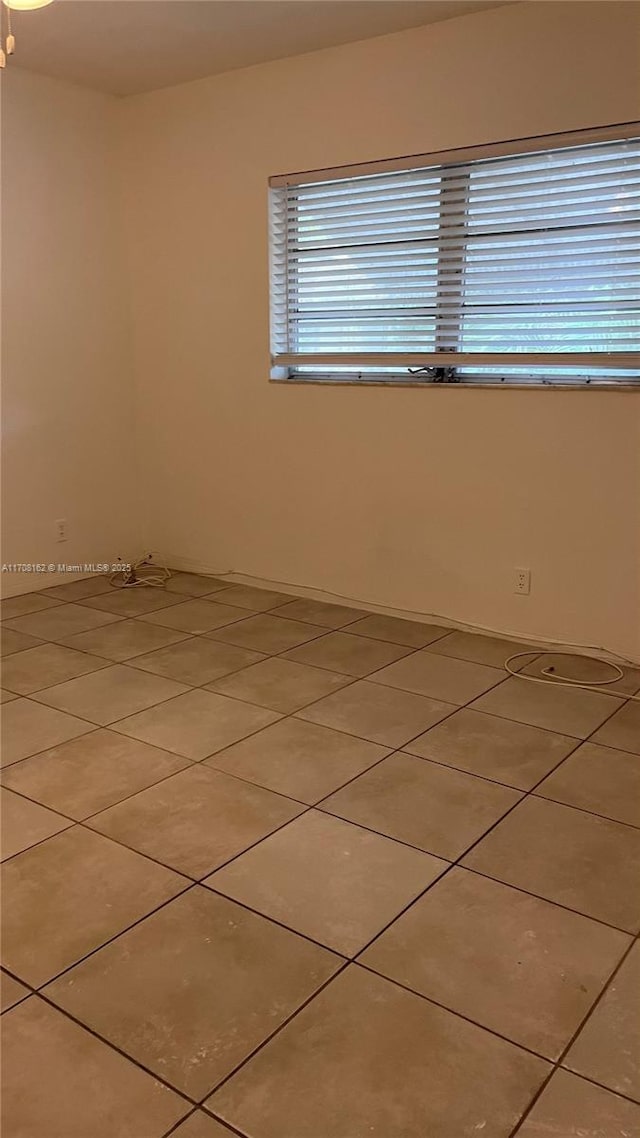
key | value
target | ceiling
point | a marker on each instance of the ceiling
(125, 47)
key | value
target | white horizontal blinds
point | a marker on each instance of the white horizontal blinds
(503, 259)
(363, 264)
(552, 256)
(279, 273)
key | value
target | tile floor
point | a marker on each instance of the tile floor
(284, 869)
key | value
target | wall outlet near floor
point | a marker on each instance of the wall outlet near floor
(522, 582)
(62, 529)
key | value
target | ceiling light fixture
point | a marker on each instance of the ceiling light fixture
(7, 38)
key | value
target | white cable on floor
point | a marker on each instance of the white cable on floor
(141, 573)
(550, 676)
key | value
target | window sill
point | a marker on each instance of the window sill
(469, 384)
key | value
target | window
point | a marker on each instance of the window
(468, 267)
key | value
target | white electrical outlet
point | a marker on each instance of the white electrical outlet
(62, 529)
(522, 582)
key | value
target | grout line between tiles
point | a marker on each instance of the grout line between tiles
(233, 1129)
(87, 817)
(622, 701)
(547, 901)
(594, 1083)
(114, 1046)
(463, 770)
(114, 727)
(345, 964)
(31, 991)
(452, 1011)
(179, 1123)
(92, 672)
(585, 809)
(125, 660)
(558, 1064)
(157, 703)
(9, 766)
(208, 872)
(309, 805)
(65, 829)
(39, 989)
(283, 714)
(201, 684)
(209, 1114)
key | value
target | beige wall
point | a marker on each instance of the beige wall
(419, 499)
(67, 407)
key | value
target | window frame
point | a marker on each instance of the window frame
(437, 369)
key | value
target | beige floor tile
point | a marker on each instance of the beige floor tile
(191, 991)
(586, 670)
(37, 668)
(67, 896)
(28, 602)
(78, 590)
(379, 714)
(526, 969)
(622, 730)
(60, 621)
(200, 1125)
(29, 727)
(397, 630)
(575, 859)
(566, 710)
(197, 724)
(110, 694)
(353, 655)
(197, 660)
(124, 640)
(196, 616)
(479, 649)
(11, 641)
(91, 773)
(598, 779)
(194, 584)
(367, 1057)
(196, 820)
(432, 807)
(258, 600)
(319, 612)
(494, 748)
(82, 1088)
(299, 759)
(267, 633)
(331, 881)
(569, 1106)
(282, 685)
(439, 677)
(608, 1046)
(11, 992)
(24, 823)
(132, 602)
